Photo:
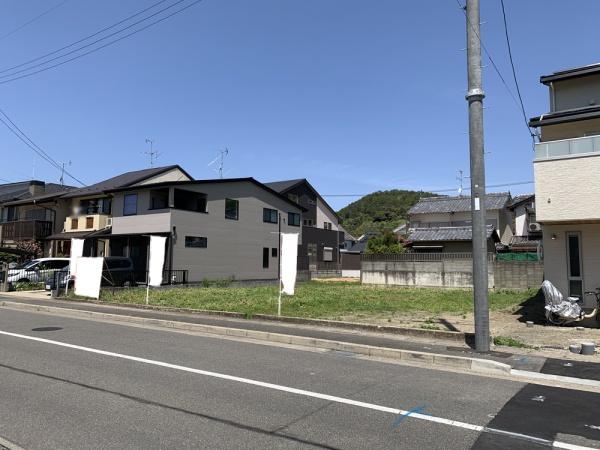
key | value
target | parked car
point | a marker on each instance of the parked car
(116, 271)
(36, 270)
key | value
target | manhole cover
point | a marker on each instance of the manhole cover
(46, 329)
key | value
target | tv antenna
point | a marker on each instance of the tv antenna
(461, 177)
(153, 154)
(221, 162)
(62, 172)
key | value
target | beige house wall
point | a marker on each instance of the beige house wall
(325, 215)
(567, 189)
(570, 130)
(555, 256)
(170, 176)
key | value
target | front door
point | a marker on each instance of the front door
(574, 264)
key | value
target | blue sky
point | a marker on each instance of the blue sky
(356, 96)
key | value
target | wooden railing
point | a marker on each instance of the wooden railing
(23, 230)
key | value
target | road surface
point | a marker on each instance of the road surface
(71, 383)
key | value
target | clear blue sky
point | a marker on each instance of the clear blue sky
(356, 96)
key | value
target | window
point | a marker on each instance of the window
(294, 219)
(74, 224)
(270, 215)
(294, 198)
(327, 225)
(159, 199)
(265, 258)
(308, 222)
(196, 242)
(89, 222)
(190, 201)
(130, 205)
(574, 265)
(232, 209)
(274, 252)
(95, 206)
(9, 214)
(327, 253)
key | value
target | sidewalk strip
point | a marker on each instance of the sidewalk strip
(291, 390)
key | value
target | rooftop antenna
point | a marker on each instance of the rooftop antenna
(221, 160)
(153, 154)
(62, 173)
(461, 177)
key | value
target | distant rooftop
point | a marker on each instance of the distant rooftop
(574, 72)
(427, 205)
(441, 234)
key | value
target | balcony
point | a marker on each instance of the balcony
(88, 222)
(24, 230)
(567, 147)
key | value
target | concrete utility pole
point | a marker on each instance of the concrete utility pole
(475, 97)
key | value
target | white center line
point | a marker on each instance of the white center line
(291, 390)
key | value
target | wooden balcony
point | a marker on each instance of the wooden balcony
(24, 230)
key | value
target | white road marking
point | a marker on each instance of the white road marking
(291, 390)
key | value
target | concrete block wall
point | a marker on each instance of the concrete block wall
(452, 273)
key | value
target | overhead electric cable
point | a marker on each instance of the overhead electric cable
(23, 25)
(33, 146)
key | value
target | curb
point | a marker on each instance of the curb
(455, 336)
(410, 356)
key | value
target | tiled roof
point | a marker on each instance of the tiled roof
(445, 234)
(521, 198)
(458, 204)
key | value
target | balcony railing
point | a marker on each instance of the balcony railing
(567, 147)
(24, 230)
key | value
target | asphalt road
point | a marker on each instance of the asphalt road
(180, 396)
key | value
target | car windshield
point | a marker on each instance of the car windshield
(26, 264)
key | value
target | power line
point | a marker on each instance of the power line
(436, 191)
(494, 65)
(512, 64)
(83, 39)
(20, 27)
(105, 45)
(33, 146)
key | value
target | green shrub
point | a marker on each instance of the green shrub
(507, 341)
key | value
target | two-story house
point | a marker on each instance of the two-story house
(225, 228)
(322, 235)
(443, 224)
(33, 221)
(566, 167)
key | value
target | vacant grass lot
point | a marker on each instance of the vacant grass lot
(318, 300)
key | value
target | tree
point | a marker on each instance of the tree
(385, 243)
(31, 247)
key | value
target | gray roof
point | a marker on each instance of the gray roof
(440, 234)
(284, 185)
(20, 190)
(122, 180)
(521, 198)
(458, 204)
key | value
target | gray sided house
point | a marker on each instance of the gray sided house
(226, 228)
(322, 235)
(443, 224)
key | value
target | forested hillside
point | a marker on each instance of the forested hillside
(379, 211)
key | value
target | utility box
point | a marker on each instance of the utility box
(4, 285)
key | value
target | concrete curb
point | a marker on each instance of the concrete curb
(455, 336)
(409, 356)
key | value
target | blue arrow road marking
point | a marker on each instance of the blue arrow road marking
(402, 417)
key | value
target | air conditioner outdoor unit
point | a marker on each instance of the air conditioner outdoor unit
(109, 221)
(535, 227)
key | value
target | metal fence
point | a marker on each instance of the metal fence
(419, 257)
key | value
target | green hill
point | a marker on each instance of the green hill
(379, 211)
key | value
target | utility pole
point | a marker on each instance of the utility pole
(475, 97)
(62, 173)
